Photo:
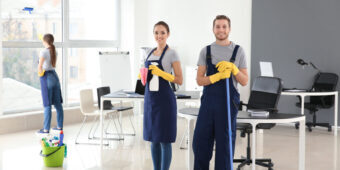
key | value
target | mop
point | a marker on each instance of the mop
(229, 126)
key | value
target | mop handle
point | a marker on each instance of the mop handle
(229, 126)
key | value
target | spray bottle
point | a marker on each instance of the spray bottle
(154, 82)
(61, 138)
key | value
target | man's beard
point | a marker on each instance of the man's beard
(222, 39)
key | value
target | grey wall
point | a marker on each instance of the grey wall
(285, 30)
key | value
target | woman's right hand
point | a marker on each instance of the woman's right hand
(41, 73)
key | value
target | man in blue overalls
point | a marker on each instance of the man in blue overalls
(218, 61)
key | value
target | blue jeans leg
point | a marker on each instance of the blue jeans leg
(47, 117)
(166, 156)
(60, 115)
(156, 155)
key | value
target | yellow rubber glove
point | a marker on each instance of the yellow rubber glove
(160, 73)
(219, 76)
(40, 74)
(139, 77)
(40, 37)
(223, 65)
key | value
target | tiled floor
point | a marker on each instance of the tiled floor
(21, 150)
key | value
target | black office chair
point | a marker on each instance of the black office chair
(323, 82)
(264, 95)
(108, 106)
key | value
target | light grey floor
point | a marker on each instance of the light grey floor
(21, 150)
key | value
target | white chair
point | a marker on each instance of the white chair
(88, 109)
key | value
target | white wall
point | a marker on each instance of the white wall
(128, 33)
(1, 89)
(190, 24)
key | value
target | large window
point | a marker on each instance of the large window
(20, 81)
(20, 24)
(81, 28)
(84, 72)
(95, 20)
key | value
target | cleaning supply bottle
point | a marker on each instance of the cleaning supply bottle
(42, 143)
(61, 138)
(46, 143)
(154, 86)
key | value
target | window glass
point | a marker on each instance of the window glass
(29, 19)
(83, 71)
(95, 20)
(21, 84)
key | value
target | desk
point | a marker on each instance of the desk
(243, 117)
(304, 94)
(121, 95)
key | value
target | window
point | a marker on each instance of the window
(73, 72)
(18, 24)
(95, 20)
(20, 81)
(91, 26)
(86, 62)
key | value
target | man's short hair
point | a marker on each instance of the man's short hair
(222, 17)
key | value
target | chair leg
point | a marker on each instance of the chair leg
(247, 161)
(133, 127)
(88, 143)
(183, 137)
(314, 123)
(93, 124)
(108, 123)
(107, 138)
(96, 127)
(264, 162)
(115, 125)
(314, 119)
(117, 132)
(120, 121)
(82, 125)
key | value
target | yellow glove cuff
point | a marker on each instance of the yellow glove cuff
(167, 76)
(235, 70)
(40, 74)
(214, 78)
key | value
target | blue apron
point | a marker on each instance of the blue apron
(212, 121)
(160, 109)
(49, 96)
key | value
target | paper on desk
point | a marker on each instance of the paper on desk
(266, 69)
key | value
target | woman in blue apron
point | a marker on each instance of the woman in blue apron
(50, 85)
(160, 108)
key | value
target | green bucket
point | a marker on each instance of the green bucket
(53, 156)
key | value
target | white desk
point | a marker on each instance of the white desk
(304, 94)
(243, 117)
(123, 96)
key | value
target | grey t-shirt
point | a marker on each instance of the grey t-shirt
(170, 56)
(45, 53)
(223, 53)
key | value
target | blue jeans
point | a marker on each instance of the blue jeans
(54, 95)
(161, 155)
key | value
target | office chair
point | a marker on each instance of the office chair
(264, 95)
(323, 82)
(108, 106)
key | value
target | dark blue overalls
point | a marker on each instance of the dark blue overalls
(212, 121)
(160, 109)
